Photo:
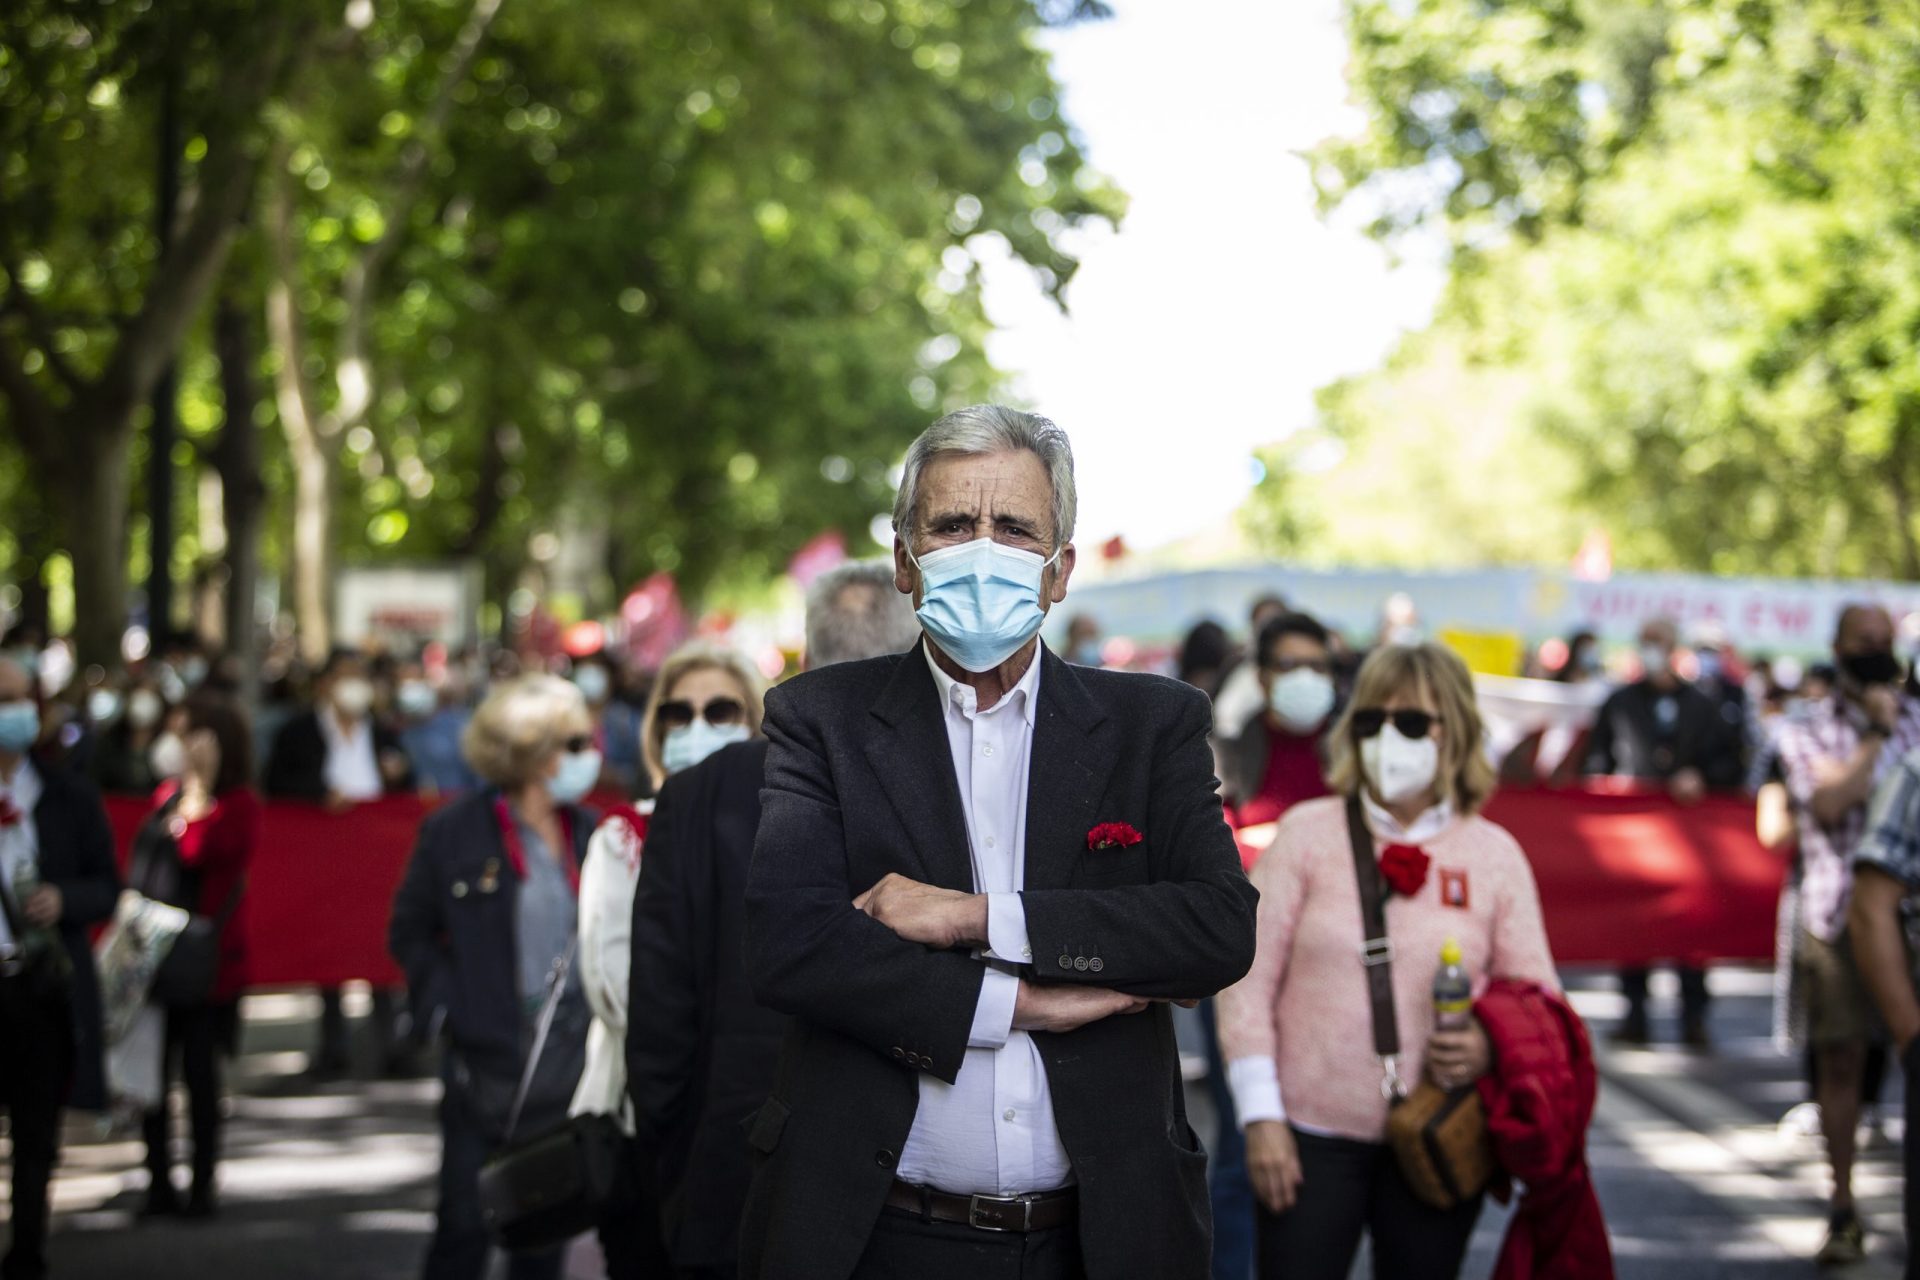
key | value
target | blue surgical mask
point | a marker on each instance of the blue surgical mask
(980, 601)
(579, 770)
(688, 745)
(19, 725)
(417, 699)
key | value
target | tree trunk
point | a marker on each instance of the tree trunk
(93, 504)
(312, 546)
(242, 491)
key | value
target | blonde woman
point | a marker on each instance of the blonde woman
(703, 699)
(482, 920)
(1297, 1031)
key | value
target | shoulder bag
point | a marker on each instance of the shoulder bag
(191, 966)
(1438, 1136)
(551, 1187)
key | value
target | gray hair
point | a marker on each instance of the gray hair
(992, 428)
(855, 612)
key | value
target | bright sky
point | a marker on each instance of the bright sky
(1201, 328)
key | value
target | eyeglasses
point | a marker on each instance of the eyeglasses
(679, 713)
(577, 743)
(1410, 724)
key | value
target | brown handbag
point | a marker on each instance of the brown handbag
(1438, 1136)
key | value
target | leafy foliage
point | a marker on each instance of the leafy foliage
(1698, 258)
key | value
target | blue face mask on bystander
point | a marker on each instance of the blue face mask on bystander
(980, 601)
(579, 770)
(688, 745)
(19, 725)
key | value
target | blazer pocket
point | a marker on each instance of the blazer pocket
(765, 1126)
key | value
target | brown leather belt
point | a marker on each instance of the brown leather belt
(1041, 1211)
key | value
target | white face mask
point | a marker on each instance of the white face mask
(144, 709)
(1301, 699)
(353, 697)
(1399, 768)
(168, 756)
(1655, 659)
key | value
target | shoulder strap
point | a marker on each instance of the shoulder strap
(556, 985)
(1376, 950)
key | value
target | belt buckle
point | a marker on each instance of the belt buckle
(1376, 951)
(1026, 1212)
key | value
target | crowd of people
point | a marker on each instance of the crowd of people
(896, 909)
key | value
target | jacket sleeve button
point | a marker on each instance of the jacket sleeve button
(884, 1159)
(1066, 962)
(1080, 963)
(899, 1054)
(1096, 964)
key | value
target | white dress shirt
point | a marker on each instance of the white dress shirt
(991, 1132)
(353, 772)
(19, 843)
(1255, 1082)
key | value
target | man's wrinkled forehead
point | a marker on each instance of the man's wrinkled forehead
(977, 484)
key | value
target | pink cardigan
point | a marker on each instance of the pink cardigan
(1302, 1010)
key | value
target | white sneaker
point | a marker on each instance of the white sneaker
(1802, 1121)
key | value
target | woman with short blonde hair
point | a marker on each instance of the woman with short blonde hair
(483, 924)
(1297, 1032)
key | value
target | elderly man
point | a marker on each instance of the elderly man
(980, 876)
(700, 1048)
(57, 878)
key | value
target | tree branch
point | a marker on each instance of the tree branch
(21, 303)
(194, 261)
(352, 369)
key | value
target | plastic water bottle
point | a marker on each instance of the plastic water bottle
(1452, 990)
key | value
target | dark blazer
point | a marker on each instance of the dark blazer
(297, 763)
(1626, 740)
(860, 782)
(454, 931)
(700, 1048)
(76, 857)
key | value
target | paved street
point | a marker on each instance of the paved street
(335, 1180)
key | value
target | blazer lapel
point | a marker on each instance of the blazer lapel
(1074, 750)
(913, 759)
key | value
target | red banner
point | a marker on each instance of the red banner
(1623, 879)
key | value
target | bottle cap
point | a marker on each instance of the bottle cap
(1450, 951)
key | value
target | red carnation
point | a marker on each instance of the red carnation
(1404, 868)
(1111, 835)
(10, 814)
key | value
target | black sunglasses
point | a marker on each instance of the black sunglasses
(679, 713)
(1410, 724)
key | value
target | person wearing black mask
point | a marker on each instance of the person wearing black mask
(1832, 757)
(1661, 729)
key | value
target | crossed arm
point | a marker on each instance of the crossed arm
(889, 970)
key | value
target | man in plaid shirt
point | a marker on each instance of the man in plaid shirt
(1832, 759)
(1887, 863)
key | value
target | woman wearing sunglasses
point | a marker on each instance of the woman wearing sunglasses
(703, 699)
(1297, 1031)
(482, 922)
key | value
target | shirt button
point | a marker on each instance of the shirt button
(1007, 1114)
(990, 843)
(1026, 953)
(987, 750)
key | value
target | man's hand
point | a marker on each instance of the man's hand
(1458, 1058)
(1881, 702)
(1068, 1008)
(1273, 1164)
(924, 913)
(43, 907)
(1687, 787)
